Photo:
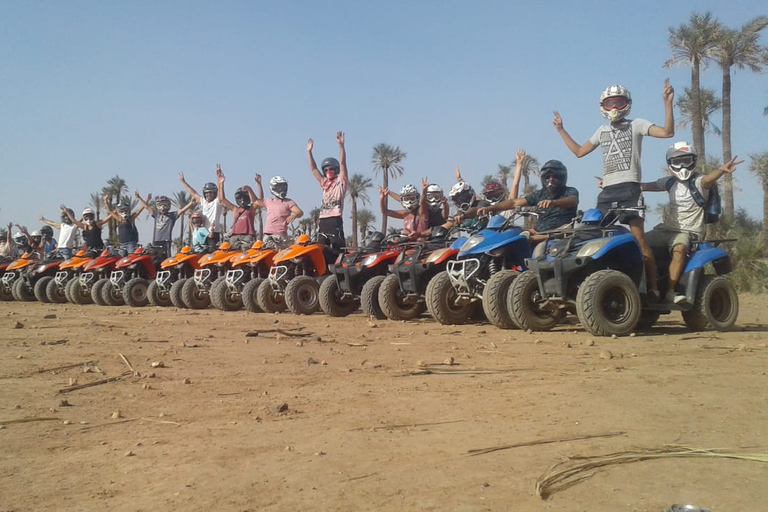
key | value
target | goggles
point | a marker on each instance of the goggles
(680, 162)
(618, 102)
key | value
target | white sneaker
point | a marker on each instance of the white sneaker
(681, 300)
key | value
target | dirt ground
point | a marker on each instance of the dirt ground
(337, 419)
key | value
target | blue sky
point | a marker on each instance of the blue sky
(147, 89)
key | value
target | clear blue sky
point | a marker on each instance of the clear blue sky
(144, 89)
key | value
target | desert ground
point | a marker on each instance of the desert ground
(207, 410)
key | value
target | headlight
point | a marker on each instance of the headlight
(436, 255)
(369, 260)
(40, 268)
(471, 243)
(539, 250)
(592, 247)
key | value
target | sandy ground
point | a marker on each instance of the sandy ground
(336, 420)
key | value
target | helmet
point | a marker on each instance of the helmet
(242, 198)
(88, 215)
(195, 217)
(681, 160)
(124, 209)
(35, 236)
(409, 197)
(331, 164)
(618, 109)
(434, 197)
(279, 187)
(558, 170)
(65, 218)
(47, 232)
(20, 238)
(163, 204)
(462, 195)
(493, 192)
(210, 187)
(87, 211)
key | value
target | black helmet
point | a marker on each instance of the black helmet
(65, 218)
(330, 163)
(210, 187)
(242, 198)
(47, 232)
(557, 169)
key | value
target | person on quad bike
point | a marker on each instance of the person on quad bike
(621, 142)
(67, 233)
(415, 224)
(281, 210)
(556, 199)
(685, 222)
(49, 243)
(127, 234)
(90, 227)
(242, 234)
(333, 180)
(199, 231)
(165, 219)
(34, 240)
(19, 244)
(433, 204)
(463, 196)
(212, 208)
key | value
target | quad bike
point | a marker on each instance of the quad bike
(69, 269)
(37, 277)
(597, 271)
(129, 281)
(294, 279)
(195, 292)
(241, 284)
(401, 293)
(5, 293)
(165, 290)
(346, 288)
(86, 289)
(485, 267)
(13, 283)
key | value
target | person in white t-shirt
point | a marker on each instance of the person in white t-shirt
(67, 233)
(211, 207)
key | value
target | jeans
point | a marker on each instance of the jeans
(127, 248)
(65, 252)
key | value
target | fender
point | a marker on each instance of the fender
(79, 260)
(22, 262)
(314, 251)
(493, 239)
(705, 254)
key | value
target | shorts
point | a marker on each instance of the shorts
(65, 252)
(276, 241)
(663, 236)
(624, 195)
(127, 248)
(241, 242)
(331, 232)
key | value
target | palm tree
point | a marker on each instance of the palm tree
(710, 104)
(759, 166)
(387, 160)
(504, 172)
(364, 219)
(305, 226)
(180, 200)
(115, 188)
(96, 203)
(357, 187)
(738, 48)
(314, 215)
(693, 44)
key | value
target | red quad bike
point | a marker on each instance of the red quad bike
(37, 277)
(56, 287)
(294, 279)
(129, 281)
(242, 282)
(165, 290)
(87, 288)
(356, 276)
(195, 292)
(12, 279)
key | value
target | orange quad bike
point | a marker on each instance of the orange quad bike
(13, 280)
(195, 292)
(5, 293)
(295, 277)
(165, 290)
(240, 286)
(129, 281)
(87, 288)
(69, 269)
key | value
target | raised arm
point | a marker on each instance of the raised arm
(668, 95)
(423, 205)
(110, 212)
(74, 220)
(191, 191)
(220, 178)
(457, 172)
(383, 192)
(187, 206)
(312, 165)
(343, 174)
(56, 225)
(143, 203)
(296, 213)
(259, 189)
(709, 180)
(514, 190)
(135, 215)
(574, 146)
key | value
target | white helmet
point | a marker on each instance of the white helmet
(279, 187)
(409, 197)
(462, 195)
(19, 238)
(681, 160)
(615, 103)
(435, 197)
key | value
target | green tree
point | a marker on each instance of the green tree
(115, 189)
(314, 215)
(693, 44)
(96, 203)
(739, 48)
(710, 104)
(357, 188)
(759, 166)
(387, 160)
(364, 220)
(180, 200)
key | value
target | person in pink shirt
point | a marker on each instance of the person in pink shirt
(242, 235)
(281, 210)
(333, 180)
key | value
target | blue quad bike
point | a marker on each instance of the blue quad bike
(484, 269)
(596, 270)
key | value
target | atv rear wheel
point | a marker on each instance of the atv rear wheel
(495, 299)
(270, 301)
(77, 293)
(392, 303)
(41, 286)
(22, 292)
(176, 295)
(55, 293)
(331, 300)
(369, 298)
(441, 301)
(302, 295)
(223, 298)
(135, 292)
(158, 296)
(193, 297)
(715, 307)
(523, 300)
(250, 295)
(111, 295)
(608, 303)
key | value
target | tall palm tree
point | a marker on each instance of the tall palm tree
(504, 172)
(387, 160)
(759, 166)
(357, 188)
(365, 218)
(314, 215)
(738, 48)
(115, 188)
(693, 44)
(305, 226)
(96, 203)
(180, 200)
(710, 104)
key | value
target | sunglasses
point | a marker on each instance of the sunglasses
(615, 102)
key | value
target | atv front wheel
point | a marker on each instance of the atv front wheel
(441, 301)
(393, 304)
(495, 299)
(523, 301)
(250, 295)
(78, 293)
(176, 295)
(111, 295)
(135, 292)
(269, 300)
(716, 306)
(193, 297)
(223, 298)
(40, 289)
(22, 292)
(157, 296)
(331, 300)
(302, 295)
(608, 303)
(55, 293)
(369, 298)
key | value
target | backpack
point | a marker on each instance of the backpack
(712, 206)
